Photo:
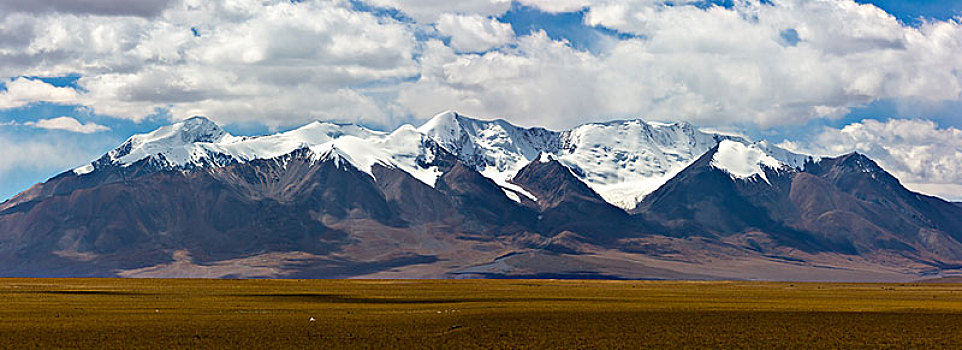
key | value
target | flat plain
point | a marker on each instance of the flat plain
(181, 313)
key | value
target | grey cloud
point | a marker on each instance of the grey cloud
(139, 8)
(15, 33)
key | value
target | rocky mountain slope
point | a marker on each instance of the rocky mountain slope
(461, 197)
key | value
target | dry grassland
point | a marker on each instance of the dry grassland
(134, 313)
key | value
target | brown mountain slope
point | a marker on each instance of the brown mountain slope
(845, 205)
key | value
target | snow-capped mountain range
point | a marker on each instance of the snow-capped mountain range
(462, 197)
(620, 160)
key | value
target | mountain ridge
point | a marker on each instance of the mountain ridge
(495, 148)
(460, 197)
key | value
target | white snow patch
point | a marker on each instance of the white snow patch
(501, 178)
(86, 169)
(308, 136)
(794, 160)
(743, 161)
(629, 193)
(545, 157)
(511, 195)
(400, 149)
(443, 127)
(624, 161)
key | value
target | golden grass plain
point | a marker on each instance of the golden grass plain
(263, 314)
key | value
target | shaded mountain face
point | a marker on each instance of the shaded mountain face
(460, 197)
(845, 205)
(568, 205)
(217, 214)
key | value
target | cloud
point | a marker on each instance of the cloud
(925, 157)
(538, 82)
(142, 8)
(428, 11)
(22, 91)
(474, 33)
(557, 6)
(713, 66)
(67, 124)
(36, 155)
(25, 161)
(282, 63)
(274, 63)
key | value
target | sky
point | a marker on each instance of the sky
(822, 77)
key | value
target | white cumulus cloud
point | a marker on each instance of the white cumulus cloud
(712, 66)
(474, 33)
(22, 91)
(275, 62)
(282, 63)
(67, 124)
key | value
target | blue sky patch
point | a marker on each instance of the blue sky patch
(568, 26)
(64, 81)
(381, 11)
(910, 11)
(790, 36)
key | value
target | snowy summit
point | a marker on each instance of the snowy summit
(622, 161)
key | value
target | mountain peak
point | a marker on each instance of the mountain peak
(445, 126)
(198, 119)
(859, 162)
(169, 141)
(440, 120)
(198, 129)
(744, 160)
(451, 120)
(190, 130)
